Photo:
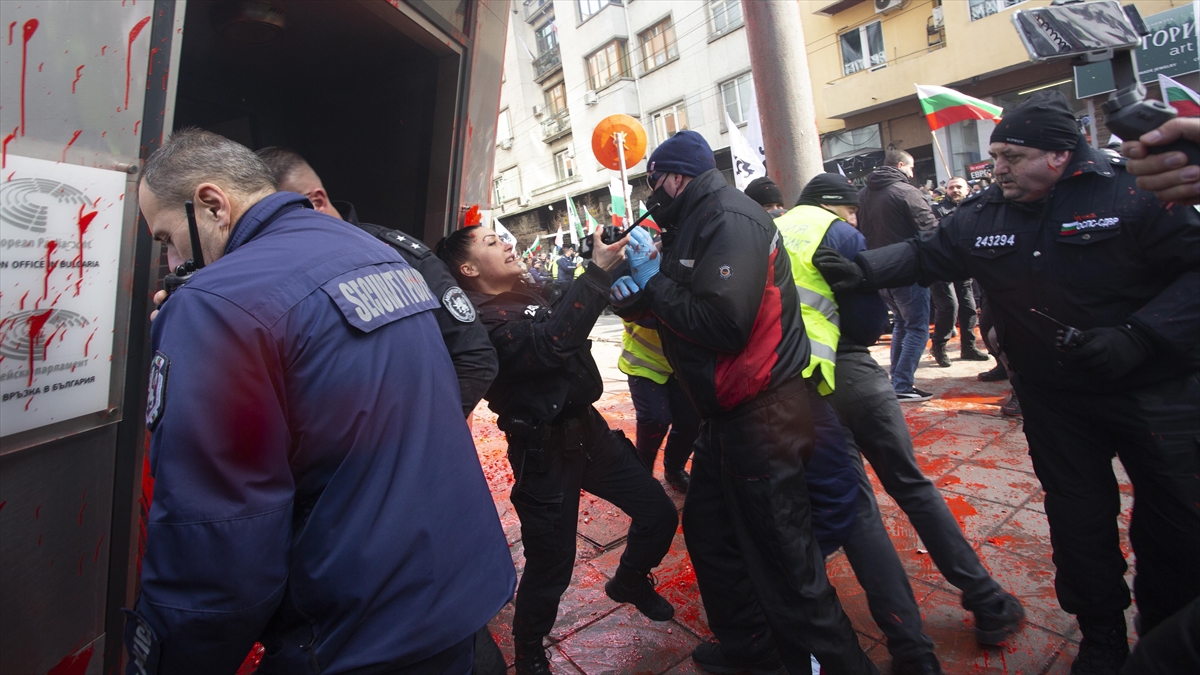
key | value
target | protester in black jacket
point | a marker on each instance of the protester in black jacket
(472, 354)
(557, 442)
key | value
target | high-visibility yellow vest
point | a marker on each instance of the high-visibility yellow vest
(643, 354)
(803, 228)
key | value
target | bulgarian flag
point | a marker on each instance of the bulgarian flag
(1186, 101)
(944, 107)
(618, 201)
(591, 222)
(649, 222)
(536, 247)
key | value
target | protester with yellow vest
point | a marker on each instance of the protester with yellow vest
(867, 407)
(659, 401)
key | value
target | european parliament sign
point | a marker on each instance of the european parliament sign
(1169, 49)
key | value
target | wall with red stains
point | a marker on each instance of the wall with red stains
(73, 80)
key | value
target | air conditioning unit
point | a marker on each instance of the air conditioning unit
(538, 110)
(571, 151)
(883, 6)
(523, 200)
(590, 97)
(938, 17)
(506, 144)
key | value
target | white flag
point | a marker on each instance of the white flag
(503, 233)
(558, 238)
(754, 131)
(746, 164)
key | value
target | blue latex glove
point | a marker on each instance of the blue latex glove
(643, 256)
(622, 291)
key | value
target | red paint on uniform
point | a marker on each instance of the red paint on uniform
(133, 34)
(50, 246)
(27, 32)
(82, 221)
(96, 557)
(35, 322)
(74, 137)
(83, 498)
(76, 80)
(89, 341)
(74, 664)
(2, 504)
(4, 149)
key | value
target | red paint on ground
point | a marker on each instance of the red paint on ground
(74, 664)
(960, 508)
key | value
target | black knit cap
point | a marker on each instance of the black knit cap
(764, 191)
(686, 153)
(829, 188)
(1045, 122)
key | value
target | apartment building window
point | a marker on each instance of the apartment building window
(607, 65)
(507, 185)
(589, 7)
(658, 45)
(984, 8)
(503, 127)
(556, 98)
(862, 48)
(669, 121)
(738, 96)
(726, 15)
(547, 37)
(564, 165)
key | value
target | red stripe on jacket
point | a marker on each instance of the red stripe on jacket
(740, 377)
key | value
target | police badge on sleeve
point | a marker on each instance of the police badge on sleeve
(456, 302)
(156, 399)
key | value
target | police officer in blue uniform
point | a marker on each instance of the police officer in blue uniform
(1065, 231)
(472, 353)
(316, 486)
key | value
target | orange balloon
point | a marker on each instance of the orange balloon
(604, 147)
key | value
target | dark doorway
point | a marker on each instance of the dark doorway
(346, 89)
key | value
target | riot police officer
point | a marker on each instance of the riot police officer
(558, 443)
(1066, 232)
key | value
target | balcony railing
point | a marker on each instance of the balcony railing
(535, 8)
(556, 125)
(548, 62)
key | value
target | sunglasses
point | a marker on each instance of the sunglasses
(653, 178)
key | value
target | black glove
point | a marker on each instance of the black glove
(842, 274)
(1110, 352)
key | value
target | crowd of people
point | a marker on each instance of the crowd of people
(317, 488)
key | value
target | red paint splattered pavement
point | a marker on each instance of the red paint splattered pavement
(976, 456)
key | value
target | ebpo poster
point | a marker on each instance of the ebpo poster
(60, 240)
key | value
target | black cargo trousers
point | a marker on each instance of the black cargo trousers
(578, 452)
(1155, 431)
(748, 527)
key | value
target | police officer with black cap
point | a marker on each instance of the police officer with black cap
(1096, 285)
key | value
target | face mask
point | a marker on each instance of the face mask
(661, 202)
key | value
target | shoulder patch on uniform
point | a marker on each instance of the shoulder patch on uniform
(725, 271)
(374, 296)
(156, 399)
(142, 644)
(458, 304)
(404, 241)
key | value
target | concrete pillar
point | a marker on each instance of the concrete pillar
(784, 91)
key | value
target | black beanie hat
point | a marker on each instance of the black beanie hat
(829, 188)
(686, 153)
(1045, 122)
(764, 191)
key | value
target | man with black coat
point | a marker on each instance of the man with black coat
(723, 293)
(891, 210)
(953, 298)
(1066, 232)
(466, 339)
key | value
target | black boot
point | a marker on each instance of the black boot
(629, 585)
(999, 618)
(971, 353)
(1104, 647)
(938, 352)
(680, 480)
(531, 657)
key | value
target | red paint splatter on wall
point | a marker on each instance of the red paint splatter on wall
(89, 342)
(4, 148)
(102, 49)
(11, 26)
(76, 80)
(27, 32)
(50, 246)
(83, 221)
(133, 34)
(74, 137)
(153, 51)
(23, 299)
(135, 126)
(74, 664)
(35, 322)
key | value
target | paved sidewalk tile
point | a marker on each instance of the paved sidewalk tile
(979, 461)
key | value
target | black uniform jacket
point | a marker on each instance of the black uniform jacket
(725, 299)
(466, 339)
(546, 364)
(1097, 252)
